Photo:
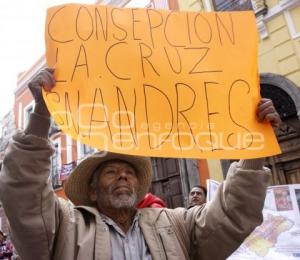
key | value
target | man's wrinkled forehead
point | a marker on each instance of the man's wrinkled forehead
(112, 163)
(197, 189)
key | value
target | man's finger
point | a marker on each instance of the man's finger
(268, 110)
(50, 70)
(274, 119)
(45, 79)
(270, 117)
(265, 104)
(49, 81)
(263, 100)
(261, 114)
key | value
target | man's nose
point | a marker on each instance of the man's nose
(123, 174)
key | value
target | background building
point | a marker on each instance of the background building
(279, 61)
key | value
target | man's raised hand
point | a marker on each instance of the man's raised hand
(44, 79)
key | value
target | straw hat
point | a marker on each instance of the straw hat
(77, 185)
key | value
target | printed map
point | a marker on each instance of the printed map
(278, 237)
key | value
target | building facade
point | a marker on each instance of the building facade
(279, 61)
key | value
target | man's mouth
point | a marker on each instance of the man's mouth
(122, 188)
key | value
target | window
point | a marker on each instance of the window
(27, 111)
(86, 149)
(53, 128)
(83, 150)
(293, 20)
(139, 3)
(232, 5)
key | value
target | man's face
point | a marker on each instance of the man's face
(116, 186)
(197, 196)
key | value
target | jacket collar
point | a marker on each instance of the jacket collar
(147, 215)
(94, 211)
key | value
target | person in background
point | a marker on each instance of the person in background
(197, 196)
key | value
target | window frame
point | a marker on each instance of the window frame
(216, 9)
(28, 109)
(290, 23)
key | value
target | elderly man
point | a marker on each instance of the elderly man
(197, 196)
(102, 222)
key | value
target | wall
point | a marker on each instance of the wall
(190, 5)
(279, 49)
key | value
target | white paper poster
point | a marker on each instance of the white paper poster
(278, 238)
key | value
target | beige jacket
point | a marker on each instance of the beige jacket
(44, 227)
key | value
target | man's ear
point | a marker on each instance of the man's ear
(92, 194)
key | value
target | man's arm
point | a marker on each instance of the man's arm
(237, 207)
(219, 228)
(231, 216)
(25, 188)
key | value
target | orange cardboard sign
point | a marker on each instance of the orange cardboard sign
(157, 83)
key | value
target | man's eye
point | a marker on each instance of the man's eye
(110, 172)
(130, 172)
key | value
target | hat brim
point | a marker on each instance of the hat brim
(77, 185)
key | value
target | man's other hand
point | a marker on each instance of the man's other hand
(266, 112)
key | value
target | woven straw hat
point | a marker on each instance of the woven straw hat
(77, 185)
